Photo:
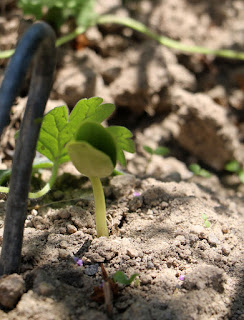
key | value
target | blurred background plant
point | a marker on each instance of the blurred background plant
(235, 167)
(198, 171)
(56, 12)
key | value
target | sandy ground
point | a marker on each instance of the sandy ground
(190, 103)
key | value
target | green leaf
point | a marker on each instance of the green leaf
(207, 224)
(161, 151)
(93, 152)
(195, 168)
(89, 109)
(117, 172)
(86, 15)
(122, 278)
(54, 134)
(4, 176)
(241, 176)
(37, 164)
(88, 160)
(233, 166)
(58, 128)
(123, 140)
(41, 163)
(31, 8)
(204, 173)
(97, 136)
(204, 217)
(148, 150)
(198, 171)
(82, 10)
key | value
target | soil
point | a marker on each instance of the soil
(190, 103)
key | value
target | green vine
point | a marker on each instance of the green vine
(140, 27)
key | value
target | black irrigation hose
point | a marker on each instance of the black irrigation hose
(38, 43)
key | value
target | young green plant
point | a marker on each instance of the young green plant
(83, 11)
(206, 223)
(121, 277)
(235, 167)
(59, 11)
(81, 138)
(198, 171)
(94, 154)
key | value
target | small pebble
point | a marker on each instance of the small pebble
(225, 230)
(225, 250)
(63, 244)
(213, 240)
(64, 214)
(91, 270)
(181, 239)
(62, 230)
(45, 289)
(62, 253)
(150, 265)
(146, 279)
(136, 203)
(11, 289)
(71, 228)
(34, 212)
(199, 230)
(132, 253)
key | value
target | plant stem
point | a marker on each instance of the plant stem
(100, 207)
(70, 36)
(59, 42)
(48, 186)
(44, 190)
(138, 26)
(6, 54)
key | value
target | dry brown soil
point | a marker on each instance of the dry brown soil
(190, 103)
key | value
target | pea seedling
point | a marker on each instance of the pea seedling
(109, 288)
(206, 223)
(121, 277)
(93, 149)
(93, 153)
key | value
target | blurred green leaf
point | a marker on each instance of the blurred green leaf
(204, 173)
(161, 151)
(207, 224)
(4, 176)
(204, 216)
(58, 11)
(233, 166)
(122, 278)
(195, 168)
(148, 149)
(241, 176)
(198, 171)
